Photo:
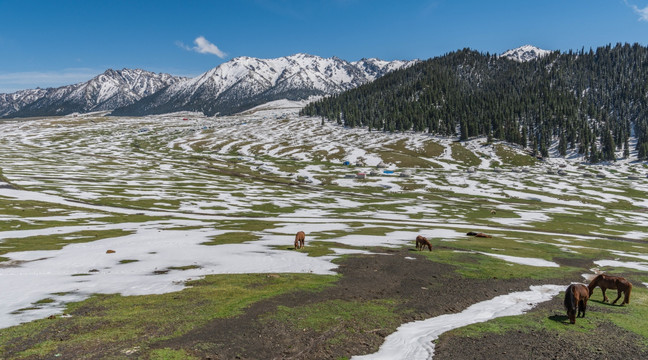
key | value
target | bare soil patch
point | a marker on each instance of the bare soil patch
(423, 288)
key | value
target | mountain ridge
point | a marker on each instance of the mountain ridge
(106, 91)
(245, 82)
(233, 86)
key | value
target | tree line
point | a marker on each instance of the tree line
(589, 101)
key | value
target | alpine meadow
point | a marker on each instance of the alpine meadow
(324, 180)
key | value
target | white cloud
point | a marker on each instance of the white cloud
(643, 13)
(203, 46)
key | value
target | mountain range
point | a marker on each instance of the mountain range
(231, 87)
(107, 91)
(245, 82)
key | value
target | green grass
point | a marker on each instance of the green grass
(401, 154)
(478, 266)
(44, 301)
(58, 241)
(185, 267)
(127, 261)
(340, 318)
(123, 322)
(630, 317)
(512, 158)
(269, 208)
(463, 155)
(317, 248)
(170, 354)
(232, 238)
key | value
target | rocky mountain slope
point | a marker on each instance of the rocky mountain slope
(245, 82)
(107, 91)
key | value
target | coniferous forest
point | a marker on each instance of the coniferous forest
(591, 101)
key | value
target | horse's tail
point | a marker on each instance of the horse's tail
(570, 300)
(627, 293)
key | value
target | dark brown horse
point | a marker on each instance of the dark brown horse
(300, 238)
(576, 296)
(482, 235)
(422, 242)
(611, 282)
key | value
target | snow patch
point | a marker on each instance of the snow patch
(413, 341)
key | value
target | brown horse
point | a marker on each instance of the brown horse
(422, 242)
(576, 296)
(612, 282)
(300, 238)
(482, 235)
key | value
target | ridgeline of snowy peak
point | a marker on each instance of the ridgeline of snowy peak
(245, 82)
(525, 53)
(107, 91)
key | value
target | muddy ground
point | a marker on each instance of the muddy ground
(427, 289)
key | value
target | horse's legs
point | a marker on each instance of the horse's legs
(605, 298)
(582, 306)
(619, 292)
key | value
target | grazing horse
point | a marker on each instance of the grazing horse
(576, 296)
(299, 240)
(482, 235)
(611, 282)
(422, 242)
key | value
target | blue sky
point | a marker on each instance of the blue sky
(53, 43)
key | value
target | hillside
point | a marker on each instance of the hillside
(592, 102)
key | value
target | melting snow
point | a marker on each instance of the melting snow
(642, 266)
(413, 341)
(523, 260)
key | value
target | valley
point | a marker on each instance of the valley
(200, 213)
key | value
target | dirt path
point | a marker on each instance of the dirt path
(424, 288)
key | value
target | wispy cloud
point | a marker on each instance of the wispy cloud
(12, 82)
(203, 46)
(643, 13)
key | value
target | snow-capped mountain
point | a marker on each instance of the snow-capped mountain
(525, 53)
(107, 91)
(10, 103)
(375, 68)
(245, 82)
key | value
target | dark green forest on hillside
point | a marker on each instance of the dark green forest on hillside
(590, 101)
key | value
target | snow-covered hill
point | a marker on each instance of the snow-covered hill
(107, 91)
(525, 53)
(245, 82)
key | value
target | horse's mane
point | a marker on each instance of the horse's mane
(594, 281)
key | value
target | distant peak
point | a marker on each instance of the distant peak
(525, 53)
